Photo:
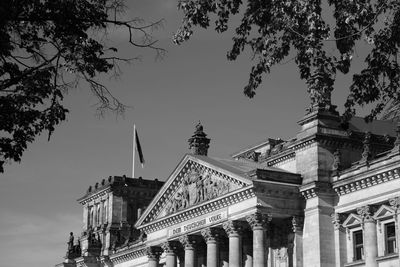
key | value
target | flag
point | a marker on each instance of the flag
(139, 148)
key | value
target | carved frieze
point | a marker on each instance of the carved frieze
(197, 185)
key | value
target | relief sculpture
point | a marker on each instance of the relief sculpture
(197, 186)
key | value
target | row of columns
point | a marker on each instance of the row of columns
(370, 236)
(258, 223)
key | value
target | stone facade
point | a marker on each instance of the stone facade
(330, 197)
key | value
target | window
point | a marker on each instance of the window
(358, 246)
(105, 212)
(390, 238)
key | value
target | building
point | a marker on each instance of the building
(330, 196)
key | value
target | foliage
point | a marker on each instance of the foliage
(49, 46)
(276, 29)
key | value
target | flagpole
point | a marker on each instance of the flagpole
(133, 151)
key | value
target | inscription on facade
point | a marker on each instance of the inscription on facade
(198, 224)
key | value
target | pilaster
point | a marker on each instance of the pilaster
(340, 239)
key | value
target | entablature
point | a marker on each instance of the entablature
(200, 209)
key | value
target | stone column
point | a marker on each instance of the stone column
(370, 237)
(153, 255)
(395, 204)
(233, 230)
(340, 239)
(258, 223)
(169, 248)
(189, 244)
(211, 236)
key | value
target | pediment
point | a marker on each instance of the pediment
(195, 180)
(384, 212)
(352, 220)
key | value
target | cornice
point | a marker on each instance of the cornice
(315, 189)
(129, 254)
(356, 183)
(200, 209)
(94, 196)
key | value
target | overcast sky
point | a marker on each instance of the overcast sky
(193, 82)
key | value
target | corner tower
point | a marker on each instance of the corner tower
(110, 209)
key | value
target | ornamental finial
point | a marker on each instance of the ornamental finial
(199, 143)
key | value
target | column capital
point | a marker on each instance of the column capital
(258, 220)
(153, 253)
(337, 220)
(366, 213)
(297, 224)
(395, 203)
(211, 234)
(188, 241)
(169, 246)
(233, 228)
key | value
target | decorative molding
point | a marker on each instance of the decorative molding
(366, 213)
(315, 189)
(153, 253)
(337, 162)
(337, 220)
(170, 246)
(95, 196)
(297, 224)
(130, 254)
(189, 241)
(233, 228)
(258, 220)
(211, 234)
(201, 209)
(365, 182)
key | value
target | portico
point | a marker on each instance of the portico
(216, 213)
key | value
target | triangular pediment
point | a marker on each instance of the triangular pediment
(384, 212)
(352, 220)
(196, 180)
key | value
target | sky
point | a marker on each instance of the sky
(193, 82)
